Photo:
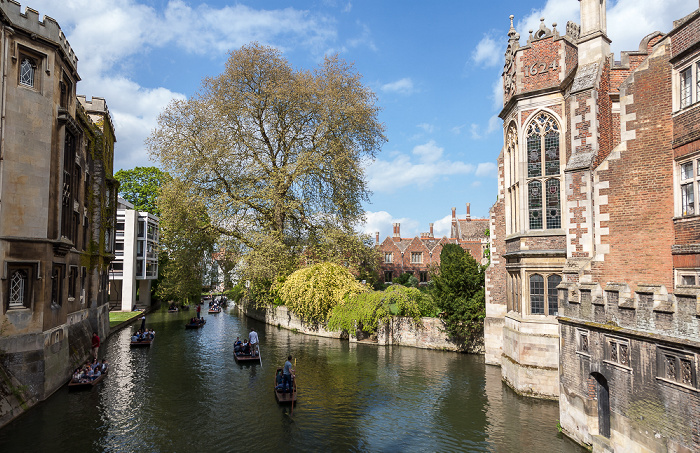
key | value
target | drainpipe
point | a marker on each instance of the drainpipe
(3, 38)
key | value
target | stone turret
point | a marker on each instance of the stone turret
(593, 43)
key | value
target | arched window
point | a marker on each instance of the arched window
(541, 293)
(543, 169)
(18, 288)
(26, 72)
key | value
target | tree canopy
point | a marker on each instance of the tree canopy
(275, 153)
(141, 186)
(459, 293)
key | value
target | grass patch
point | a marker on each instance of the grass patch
(118, 317)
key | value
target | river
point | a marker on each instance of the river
(187, 394)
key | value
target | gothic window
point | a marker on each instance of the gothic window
(677, 366)
(552, 293)
(27, 71)
(543, 172)
(19, 288)
(544, 288)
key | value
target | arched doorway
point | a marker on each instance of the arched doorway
(603, 396)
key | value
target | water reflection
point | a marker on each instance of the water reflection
(186, 393)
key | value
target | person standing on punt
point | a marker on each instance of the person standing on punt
(254, 342)
(287, 375)
(95, 344)
(199, 309)
(143, 323)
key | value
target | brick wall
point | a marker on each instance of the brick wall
(541, 64)
(640, 193)
(685, 37)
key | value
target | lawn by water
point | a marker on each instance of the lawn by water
(118, 317)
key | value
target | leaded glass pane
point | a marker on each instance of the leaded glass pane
(552, 294)
(686, 87)
(624, 354)
(553, 208)
(686, 372)
(537, 295)
(26, 72)
(671, 367)
(584, 343)
(18, 283)
(551, 153)
(613, 351)
(535, 204)
(687, 170)
(534, 156)
(688, 199)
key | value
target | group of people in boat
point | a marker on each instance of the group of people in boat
(284, 377)
(244, 348)
(143, 335)
(90, 371)
(196, 320)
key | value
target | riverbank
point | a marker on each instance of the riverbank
(427, 334)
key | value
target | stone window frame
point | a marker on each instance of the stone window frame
(687, 173)
(58, 272)
(617, 352)
(31, 271)
(679, 362)
(548, 295)
(422, 276)
(687, 277)
(36, 60)
(514, 292)
(416, 257)
(72, 282)
(583, 342)
(542, 124)
(687, 85)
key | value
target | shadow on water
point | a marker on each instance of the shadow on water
(186, 393)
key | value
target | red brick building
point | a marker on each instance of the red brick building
(594, 283)
(416, 255)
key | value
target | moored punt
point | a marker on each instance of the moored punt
(246, 358)
(85, 384)
(173, 310)
(136, 344)
(285, 397)
(196, 325)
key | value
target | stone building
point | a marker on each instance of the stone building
(57, 199)
(135, 264)
(416, 255)
(592, 293)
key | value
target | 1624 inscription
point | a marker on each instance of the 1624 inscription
(539, 68)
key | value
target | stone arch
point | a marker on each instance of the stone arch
(602, 393)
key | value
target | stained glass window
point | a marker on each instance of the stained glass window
(535, 204)
(553, 207)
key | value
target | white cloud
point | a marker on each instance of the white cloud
(429, 128)
(495, 123)
(383, 222)
(488, 52)
(402, 86)
(401, 170)
(486, 169)
(474, 131)
(497, 94)
(442, 227)
(457, 130)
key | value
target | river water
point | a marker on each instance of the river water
(186, 394)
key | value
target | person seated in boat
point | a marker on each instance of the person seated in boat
(105, 366)
(246, 347)
(135, 337)
(280, 381)
(77, 375)
(152, 332)
(90, 375)
(95, 374)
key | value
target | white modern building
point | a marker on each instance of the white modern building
(136, 262)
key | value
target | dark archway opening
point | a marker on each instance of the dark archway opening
(603, 396)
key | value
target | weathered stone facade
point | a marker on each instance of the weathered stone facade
(57, 200)
(417, 255)
(620, 337)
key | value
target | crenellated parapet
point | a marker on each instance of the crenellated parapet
(97, 110)
(650, 309)
(46, 29)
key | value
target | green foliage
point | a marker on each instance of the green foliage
(367, 310)
(186, 237)
(141, 187)
(236, 293)
(314, 291)
(459, 293)
(407, 279)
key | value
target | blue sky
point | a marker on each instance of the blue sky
(435, 67)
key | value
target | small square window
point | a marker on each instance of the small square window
(388, 257)
(687, 280)
(416, 257)
(687, 170)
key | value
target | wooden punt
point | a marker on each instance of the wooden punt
(86, 385)
(196, 325)
(284, 397)
(247, 359)
(214, 310)
(173, 310)
(142, 343)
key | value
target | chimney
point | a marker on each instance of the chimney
(453, 229)
(431, 231)
(454, 212)
(377, 237)
(469, 217)
(397, 231)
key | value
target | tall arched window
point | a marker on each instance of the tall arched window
(543, 173)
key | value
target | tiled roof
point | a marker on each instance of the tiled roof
(472, 229)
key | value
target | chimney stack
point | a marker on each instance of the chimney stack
(377, 238)
(397, 231)
(469, 217)
(454, 212)
(431, 231)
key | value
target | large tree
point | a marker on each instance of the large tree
(275, 153)
(141, 187)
